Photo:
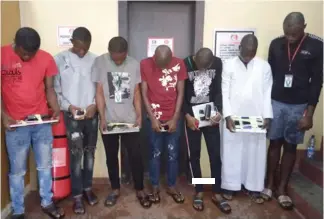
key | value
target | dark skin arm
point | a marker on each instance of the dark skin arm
(156, 125)
(173, 122)
(6, 120)
(146, 101)
(51, 96)
(306, 122)
(138, 105)
(180, 90)
(101, 105)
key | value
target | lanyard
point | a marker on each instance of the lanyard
(291, 59)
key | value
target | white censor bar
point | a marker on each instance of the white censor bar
(203, 181)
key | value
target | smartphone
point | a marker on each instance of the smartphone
(164, 128)
(207, 112)
(79, 114)
(31, 118)
(197, 124)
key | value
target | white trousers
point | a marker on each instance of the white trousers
(243, 160)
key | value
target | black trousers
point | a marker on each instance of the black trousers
(212, 139)
(132, 143)
(82, 138)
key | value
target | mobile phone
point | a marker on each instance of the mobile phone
(197, 124)
(31, 118)
(207, 112)
(79, 112)
(164, 128)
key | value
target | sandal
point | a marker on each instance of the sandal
(285, 202)
(154, 197)
(53, 211)
(177, 196)
(144, 201)
(222, 205)
(266, 194)
(255, 196)
(198, 203)
(111, 200)
(228, 196)
(78, 206)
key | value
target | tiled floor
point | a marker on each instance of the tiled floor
(129, 208)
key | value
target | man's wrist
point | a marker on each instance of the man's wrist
(176, 116)
(188, 116)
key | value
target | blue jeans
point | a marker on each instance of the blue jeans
(18, 143)
(285, 122)
(158, 141)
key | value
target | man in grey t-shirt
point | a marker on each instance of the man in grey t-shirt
(118, 99)
(75, 92)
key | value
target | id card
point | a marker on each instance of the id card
(288, 81)
(118, 97)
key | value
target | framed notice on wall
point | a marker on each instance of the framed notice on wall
(64, 35)
(227, 41)
(153, 42)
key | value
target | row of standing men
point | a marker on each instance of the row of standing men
(111, 88)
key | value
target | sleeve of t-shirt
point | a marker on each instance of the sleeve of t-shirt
(51, 68)
(138, 78)
(142, 70)
(96, 75)
(182, 74)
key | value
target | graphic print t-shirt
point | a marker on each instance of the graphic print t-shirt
(162, 85)
(203, 86)
(22, 83)
(118, 84)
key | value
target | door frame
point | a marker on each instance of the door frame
(198, 20)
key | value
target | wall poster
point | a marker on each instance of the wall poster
(64, 35)
(227, 41)
(152, 43)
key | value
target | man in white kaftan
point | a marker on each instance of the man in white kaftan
(246, 89)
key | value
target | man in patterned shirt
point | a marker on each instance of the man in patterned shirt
(163, 88)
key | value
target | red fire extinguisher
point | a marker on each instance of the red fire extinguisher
(61, 161)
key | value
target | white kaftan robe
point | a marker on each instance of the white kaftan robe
(246, 92)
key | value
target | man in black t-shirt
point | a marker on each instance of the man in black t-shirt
(296, 60)
(204, 86)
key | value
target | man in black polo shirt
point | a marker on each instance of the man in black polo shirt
(296, 60)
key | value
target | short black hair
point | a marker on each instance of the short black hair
(118, 44)
(294, 18)
(250, 42)
(82, 34)
(28, 39)
(204, 57)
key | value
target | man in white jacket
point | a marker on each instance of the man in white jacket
(246, 89)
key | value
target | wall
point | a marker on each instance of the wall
(10, 22)
(101, 18)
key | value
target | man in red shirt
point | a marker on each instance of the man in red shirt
(162, 84)
(26, 88)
